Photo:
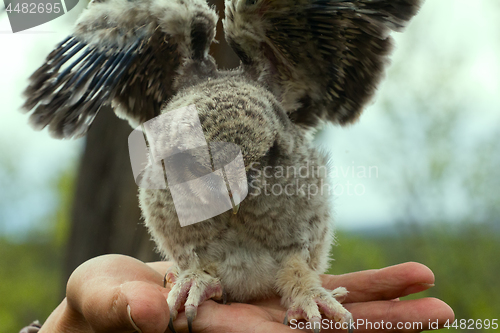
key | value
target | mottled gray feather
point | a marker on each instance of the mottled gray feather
(125, 53)
(322, 58)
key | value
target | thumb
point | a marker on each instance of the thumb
(147, 309)
(108, 298)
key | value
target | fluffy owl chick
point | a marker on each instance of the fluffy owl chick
(304, 62)
(276, 243)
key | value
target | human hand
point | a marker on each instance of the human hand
(373, 297)
(102, 291)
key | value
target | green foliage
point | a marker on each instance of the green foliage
(464, 259)
(30, 282)
(465, 262)
(353, 253)
(31, 268)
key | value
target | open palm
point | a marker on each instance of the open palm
(105, 292)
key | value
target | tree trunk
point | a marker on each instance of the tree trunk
(106, 217)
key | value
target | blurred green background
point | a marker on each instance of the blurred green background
(433, 135)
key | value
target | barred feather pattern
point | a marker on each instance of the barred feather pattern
(324, 58)
(123, 53)
(68, 100)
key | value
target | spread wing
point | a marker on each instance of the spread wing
(124, 53)
(322, 58)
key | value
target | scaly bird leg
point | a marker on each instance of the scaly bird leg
(304, 297)
(191, 287)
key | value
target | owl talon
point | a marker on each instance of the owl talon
(170, 276)
(192, 288)
(350, 329)
(340, 294)
(224, 297)
(190, 315)
(311, 306)
(316, 324)
(171, 324)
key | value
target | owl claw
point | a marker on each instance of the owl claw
(190, 315)
(171, 324)
(170, 276)
(340, 294)
(310, 307)
(316, 324)
(191, 288)
(350, 329)
(224, 297)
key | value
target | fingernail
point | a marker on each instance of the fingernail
(416, 288)
(426, 285)
(131, 320)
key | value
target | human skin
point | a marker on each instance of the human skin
(102, 292)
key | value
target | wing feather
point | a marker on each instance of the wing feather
(124, 53)
(322, 58)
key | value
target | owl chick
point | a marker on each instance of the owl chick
(303, 63)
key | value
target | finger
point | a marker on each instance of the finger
(118, 293)
(383, 284)
(213, 317)
(148, 306)
(119, 267)
(131, 306)
(384, 316)
(406, 316)
(380, 316)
